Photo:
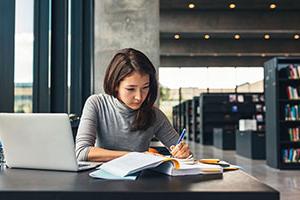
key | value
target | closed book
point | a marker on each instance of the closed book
(294, 155)
(298, 70)
(291, 134)
(288, 90)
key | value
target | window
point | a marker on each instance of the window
(211, 77)
(23, 78)
(40, 70)
(192, 81)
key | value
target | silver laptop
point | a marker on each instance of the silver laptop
(39, 141)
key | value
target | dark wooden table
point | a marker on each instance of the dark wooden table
(39, 184)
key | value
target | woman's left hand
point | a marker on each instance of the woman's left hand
(181, 150)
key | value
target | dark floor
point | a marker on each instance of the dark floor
(287, 182)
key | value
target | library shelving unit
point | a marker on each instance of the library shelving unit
(182, 108)
(196, 118)
(183, 117)
(176, 117)
(214, 113)
(252, 143)
(282, 89)
(189, 120)
(221, 112)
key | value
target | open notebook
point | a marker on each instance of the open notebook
(134, 162)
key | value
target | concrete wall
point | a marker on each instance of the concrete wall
(122, 24)
(253, 87)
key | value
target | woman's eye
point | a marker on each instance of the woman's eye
(147, 87)
(130, 89)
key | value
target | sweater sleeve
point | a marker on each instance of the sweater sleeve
(87, 130)
(164, 130)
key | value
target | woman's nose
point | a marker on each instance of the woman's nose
(138, 95)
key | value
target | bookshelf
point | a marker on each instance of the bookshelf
(176, 117)
(196, 118)
(182, 116)
(189, 120)
(185, 115)
(282, 89)
(222, 111)
(250, 139)
(251, 144)
(224, 139)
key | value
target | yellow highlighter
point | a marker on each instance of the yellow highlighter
(226, 166)
(210, 161)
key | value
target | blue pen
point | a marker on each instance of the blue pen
(181, 136)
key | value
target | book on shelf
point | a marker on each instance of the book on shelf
(259, 117)
(291, 155)
(255, 98)
(258, 98)
(292, 92)
(294, 134)
(247, 124)
(260, 128)
(291, 112)
(262, 97)
(135, 162)
(232, 98)
(258, 107)
(293, 71)
(234, 109)
(240, 98)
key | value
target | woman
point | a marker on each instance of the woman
(124, 119)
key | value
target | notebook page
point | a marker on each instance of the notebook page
(105, 175)
(203, 168)
(131, 163)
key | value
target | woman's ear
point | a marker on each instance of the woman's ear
(117, 90)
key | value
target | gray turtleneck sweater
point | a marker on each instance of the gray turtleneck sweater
(105, 122)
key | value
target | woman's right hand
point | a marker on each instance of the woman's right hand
(181, 150)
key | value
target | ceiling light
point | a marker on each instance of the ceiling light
(191, 5)
(232, 5)
(267, 36)
(263, 55)
(206, 36)
(273, 6)
(296, 37)
(176, 36)
(286, 55)
(237, 36)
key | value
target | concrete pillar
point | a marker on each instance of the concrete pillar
(123, 24)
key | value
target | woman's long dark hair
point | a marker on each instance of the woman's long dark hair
(125, 62)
